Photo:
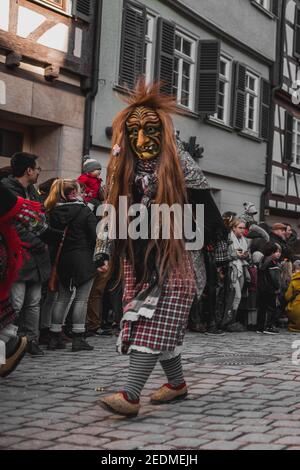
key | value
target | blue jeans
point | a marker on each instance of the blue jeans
(25, 299)
(77, 298)
(47, 308)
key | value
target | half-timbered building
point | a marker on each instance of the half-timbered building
(281, 201)
(46, 51)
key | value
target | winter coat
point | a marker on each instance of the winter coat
(92, 186)
(76, 265)
(37, 267)
(292, 296)
(269, 276)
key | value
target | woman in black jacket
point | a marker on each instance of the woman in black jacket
(76, 269)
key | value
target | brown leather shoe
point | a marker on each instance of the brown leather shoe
(167, 394)
(120, 405)
(12, 361)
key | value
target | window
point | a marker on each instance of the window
(223, 93)
(149, 37)
(251, 108)
(183, 74)
(264, 3)
(296, 142)
(10, 142)
(56, 3)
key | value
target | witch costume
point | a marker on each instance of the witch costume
(160, 278)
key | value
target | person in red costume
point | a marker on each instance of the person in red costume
(92, 181)
(16, 214)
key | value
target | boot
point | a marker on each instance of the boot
(80, 344)
(56, 341)
(45, 336)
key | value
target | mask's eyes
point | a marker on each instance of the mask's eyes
(134, 132)
(151, 130)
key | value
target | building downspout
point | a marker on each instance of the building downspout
(87, 137)
(279, 79)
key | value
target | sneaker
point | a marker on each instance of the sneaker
(259, 332)
(271, 331)
(214, 331)
(34, 349)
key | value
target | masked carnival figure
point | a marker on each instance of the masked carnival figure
(160, 276)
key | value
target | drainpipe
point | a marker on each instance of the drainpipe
(279, 79)
(87, 137)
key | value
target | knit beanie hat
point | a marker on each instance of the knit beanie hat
(90, 164)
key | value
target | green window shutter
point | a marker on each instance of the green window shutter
(288, 138)
(265, 109)
(132, 44)
(83, 9)
(164, 65)
(239, 96)
(208, 76)
(297, 33)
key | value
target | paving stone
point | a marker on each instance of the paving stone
(221, 445)
(288, 440)
(186, 443)
(100, 431)
(262, 447)
(32, 444)
(84, 439)
(124, 445)
(256, 437)
(7, 441)
(186, 432)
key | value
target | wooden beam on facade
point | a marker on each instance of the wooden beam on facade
(13, 60)
(42, 54)
(51, 73)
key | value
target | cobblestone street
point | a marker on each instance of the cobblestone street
(51, 401)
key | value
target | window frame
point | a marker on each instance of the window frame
(227, 80)
(266, 4)
(256, 94)
(149, 46)
(191, 60)
(296, 142)
(53, 4)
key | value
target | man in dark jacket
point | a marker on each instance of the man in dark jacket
(277, 235)
(269, 284)
(26, 292)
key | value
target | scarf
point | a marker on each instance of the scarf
(239, 244)
(146, 179)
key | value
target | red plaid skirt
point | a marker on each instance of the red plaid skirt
(166, 329)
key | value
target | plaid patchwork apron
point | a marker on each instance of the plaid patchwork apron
(166, 329)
